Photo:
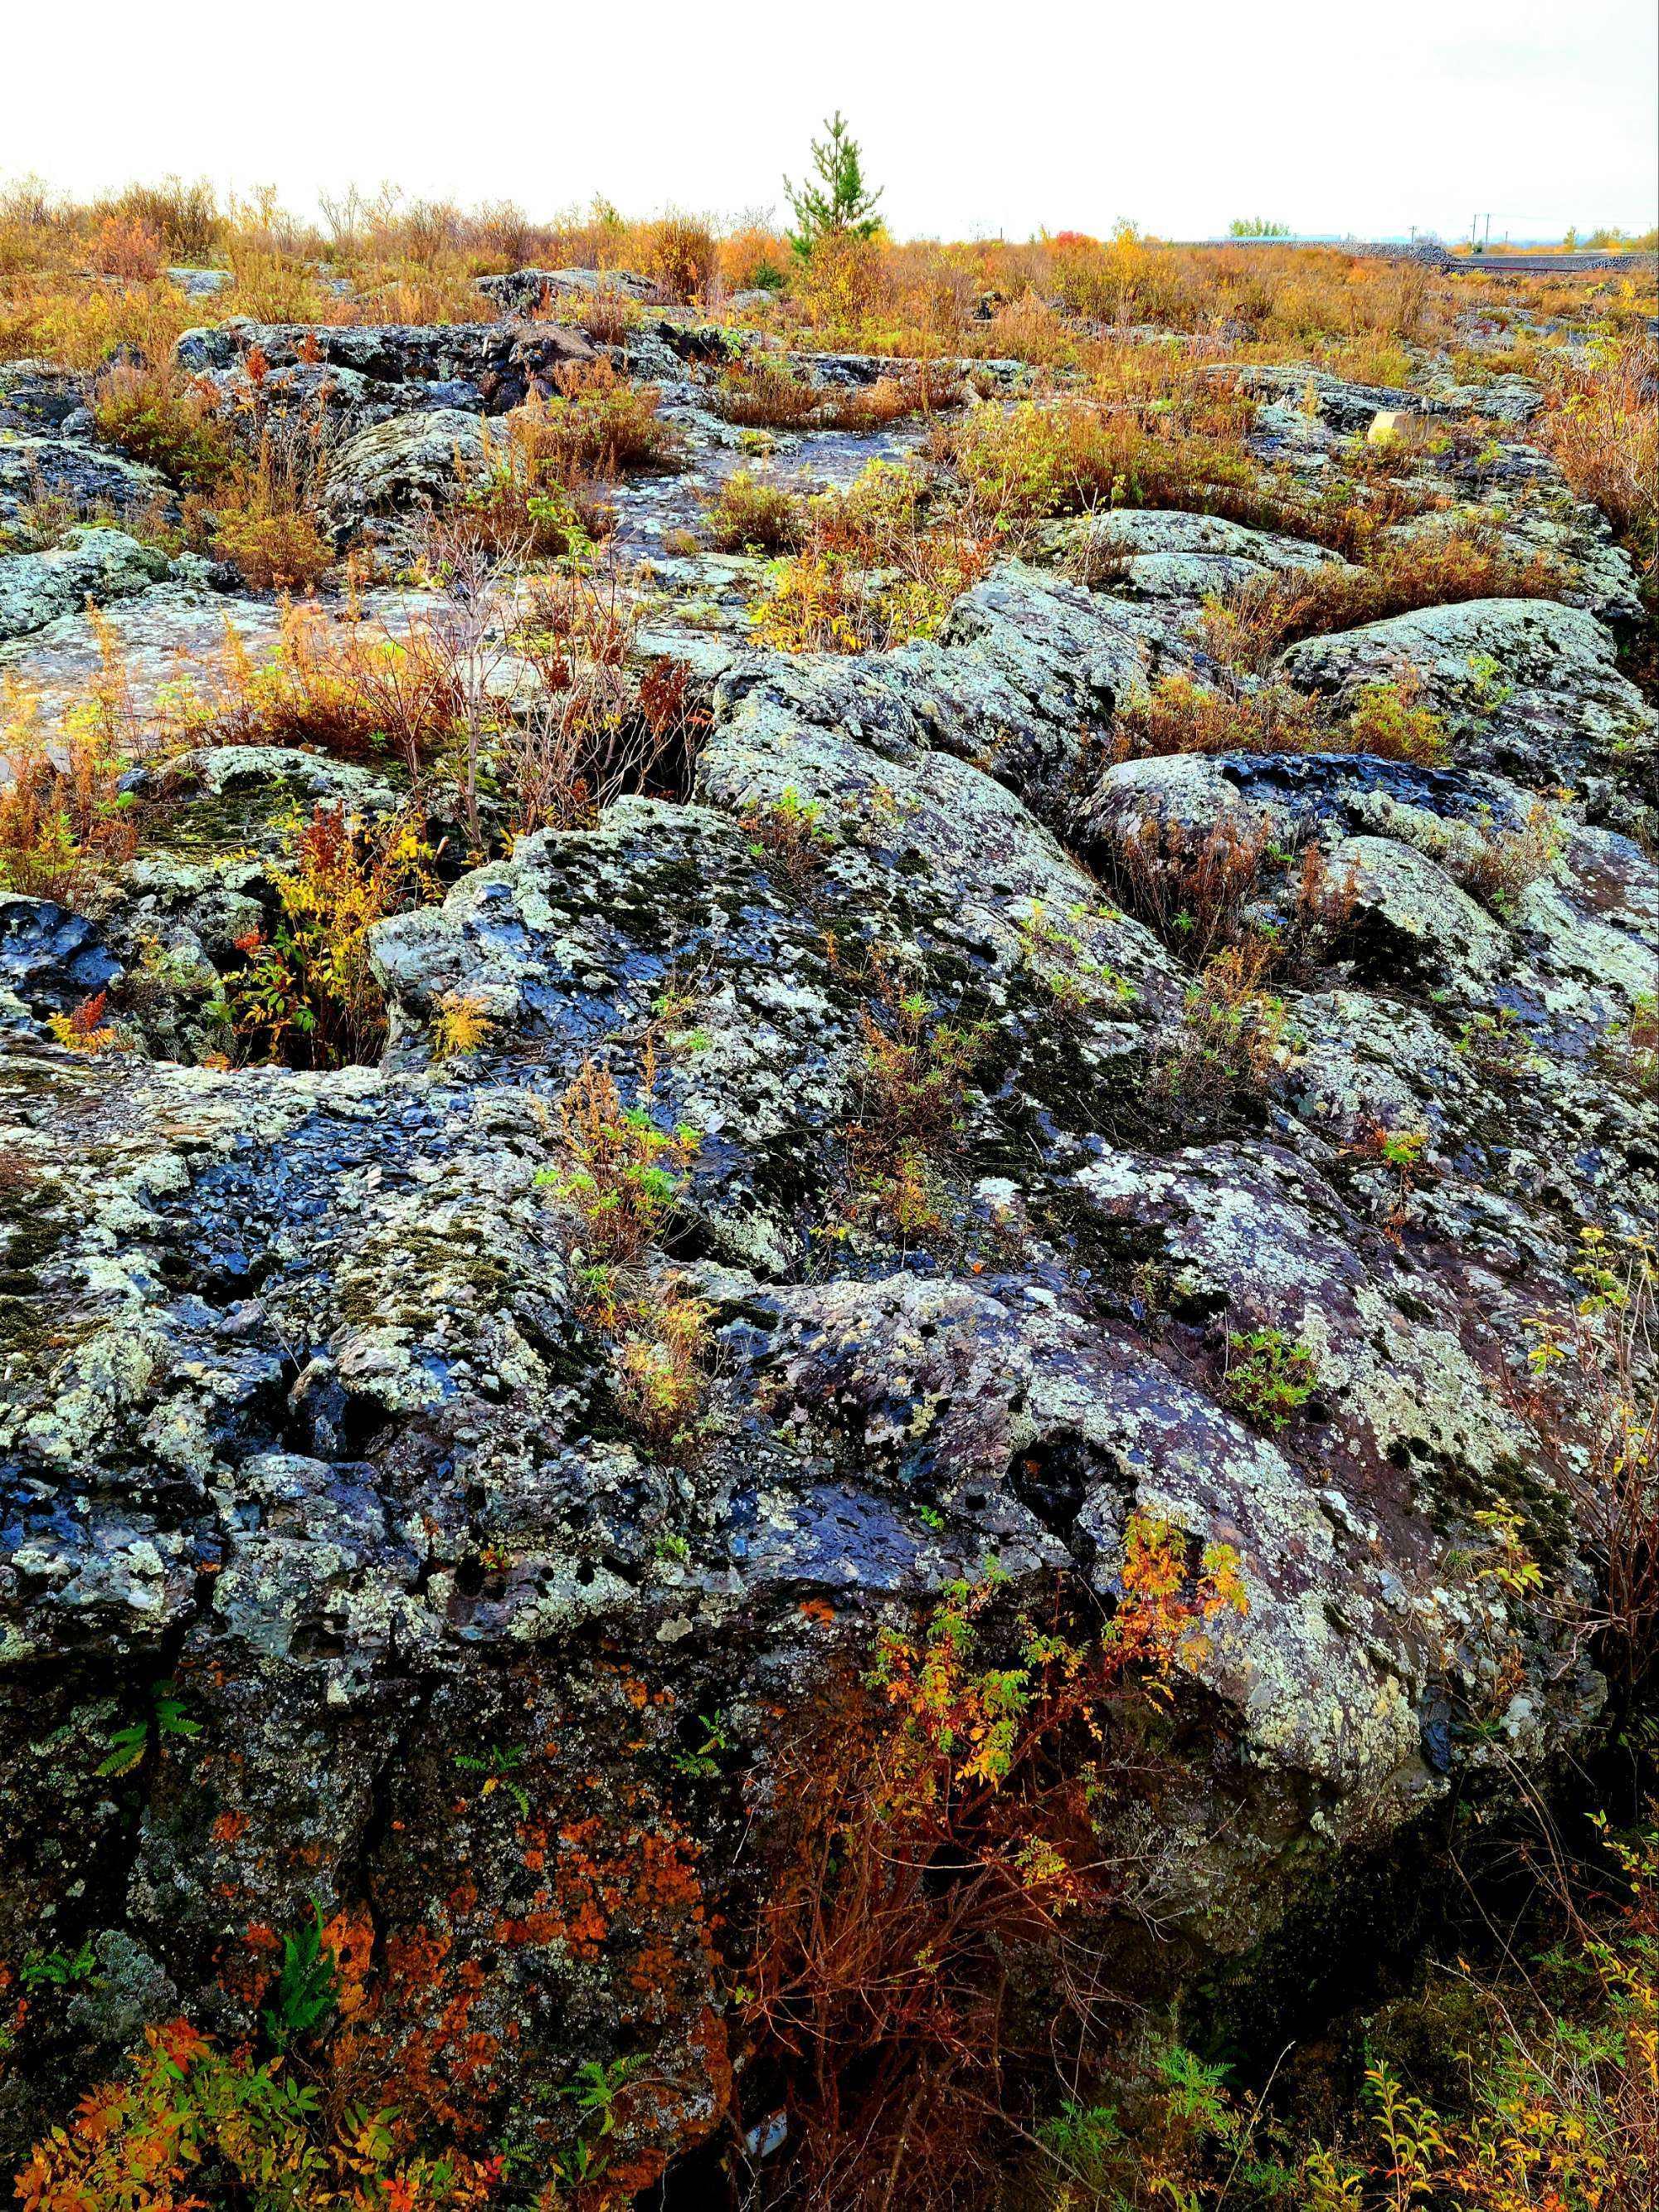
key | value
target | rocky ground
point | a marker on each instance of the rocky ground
(306, 1413)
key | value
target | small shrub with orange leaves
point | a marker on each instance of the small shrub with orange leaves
(190, 2114)
(981, 1742)
(124, 245)
(83, 1029)
(346, 687)
(63, 815)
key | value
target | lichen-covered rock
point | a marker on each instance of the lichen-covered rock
(37, 397)
(89, 563)
(1160, 554)
(311, 1403)
(498, 366)
(413, 461)
(84, 476)
(50, 958)
(1530, 688)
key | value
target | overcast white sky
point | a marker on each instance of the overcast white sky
(1179, 114)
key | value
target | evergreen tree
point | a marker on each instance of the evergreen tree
(834, 202)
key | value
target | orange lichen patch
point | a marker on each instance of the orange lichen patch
(351, 1936)
(818, 1609)
(228, 1826)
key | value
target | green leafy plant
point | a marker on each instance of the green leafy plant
(1269, 1378)
(702, 1764)
(498, 1765)
(598, 2083)
(167, 1717)
(57, 1968)
(308, 1985)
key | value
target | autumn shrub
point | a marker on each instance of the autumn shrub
(762, 393)
(662, 1366)
(754, 258)
(593, 729)
(123, 247)
(64, 817)
(1229, 887)
(1190, 885)
(881, 562)
(1393, 722)
(85, 323)
(190, 2114)
(681, 256)
(346, 686)
(1602, 422)
(1493, 863)
(307, 994)
(599, 424)
(918, 388)
(748, 514)
(931, 1826)
(166, 419)
(843, 291)
(261, 516)
(1179, 714)
(184, 218)
(514, 510)
(1247, 626)
(1223, 1051)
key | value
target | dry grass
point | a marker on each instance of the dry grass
(750, 515)
(1245, 627)
(882, 561)
(1603, 424)
(64, 269)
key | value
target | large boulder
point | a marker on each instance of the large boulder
(1161, 554)
(89, 563)
(1530, 688)
(84, 476)
(409, 463)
